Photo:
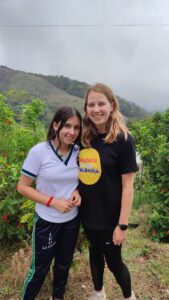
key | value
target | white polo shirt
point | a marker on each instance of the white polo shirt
(53, 177)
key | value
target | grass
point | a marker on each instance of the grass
(147, 262)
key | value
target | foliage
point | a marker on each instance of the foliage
(30, 112)
(10, 202)
(27, 218)
(6, 115)
(152, 139)
(15, 141)
(73, 87)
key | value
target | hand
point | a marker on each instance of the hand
(61, 205)
(75, 199)
(119, 236)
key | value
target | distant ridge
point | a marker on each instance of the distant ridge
(57, 91)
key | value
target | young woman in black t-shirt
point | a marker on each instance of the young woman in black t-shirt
(107, 171)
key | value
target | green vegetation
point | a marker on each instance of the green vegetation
(15, 141)
(152, 140)
(72, 87)
(20, 88)
(146, 258)
(16, 138)
(78, 88)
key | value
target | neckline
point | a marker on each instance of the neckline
(100, 134)
(64, 159)
(58, 152)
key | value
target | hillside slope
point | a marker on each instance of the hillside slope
(57, 91)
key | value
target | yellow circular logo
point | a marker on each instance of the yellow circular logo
(90, 166)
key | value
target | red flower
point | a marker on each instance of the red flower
(168, 232)
(17, 187)
(5, 217)
(9, 122)
(19, 225)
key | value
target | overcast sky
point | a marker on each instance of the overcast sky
(79, 39)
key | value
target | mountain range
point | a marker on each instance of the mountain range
(55, 91)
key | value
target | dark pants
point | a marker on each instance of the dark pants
(101, 249)
(51, 240)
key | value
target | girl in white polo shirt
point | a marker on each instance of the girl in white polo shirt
(53, 166)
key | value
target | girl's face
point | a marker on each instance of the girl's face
(98, 110)
(70, 131)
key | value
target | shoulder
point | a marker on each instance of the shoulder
(39, 147)
(121, 139)
(39, 150)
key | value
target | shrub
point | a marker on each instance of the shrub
(152, 140)
(15, 142)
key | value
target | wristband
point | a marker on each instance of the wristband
(122, 226)
(49, 201)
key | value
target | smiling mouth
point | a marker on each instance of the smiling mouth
(70, 137)
(97, 117)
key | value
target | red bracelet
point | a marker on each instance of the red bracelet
(49, 201)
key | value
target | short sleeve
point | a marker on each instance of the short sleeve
(127, 156)
(31, 165)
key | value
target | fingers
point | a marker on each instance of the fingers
(118, 239)
(118, 242)
(76, 201)
(63, 205)
(68, 206)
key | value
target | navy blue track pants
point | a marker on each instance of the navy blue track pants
(51, 240)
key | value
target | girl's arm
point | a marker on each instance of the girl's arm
(126, 202)
(25, 188)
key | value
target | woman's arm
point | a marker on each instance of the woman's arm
(127, 197)
(25, 188)
(126, 202)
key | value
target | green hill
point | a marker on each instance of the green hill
(78, 88)
(55, 91)
(36, 87)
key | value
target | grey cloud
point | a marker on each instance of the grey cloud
(133, 60)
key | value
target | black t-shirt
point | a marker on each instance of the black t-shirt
(100, 184)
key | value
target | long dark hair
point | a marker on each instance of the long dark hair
(62, 115)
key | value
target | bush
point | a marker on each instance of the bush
(152, 140)
(15, 142)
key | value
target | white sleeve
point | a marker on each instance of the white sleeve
(32, 163)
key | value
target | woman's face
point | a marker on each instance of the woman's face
(70, 131)
(98, 110)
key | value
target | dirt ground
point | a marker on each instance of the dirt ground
(148, 263)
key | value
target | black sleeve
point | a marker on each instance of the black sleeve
(127, 155)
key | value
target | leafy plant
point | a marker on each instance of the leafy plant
(15, 142)
(152, 139)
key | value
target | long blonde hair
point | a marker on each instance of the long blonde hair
(115, 124)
